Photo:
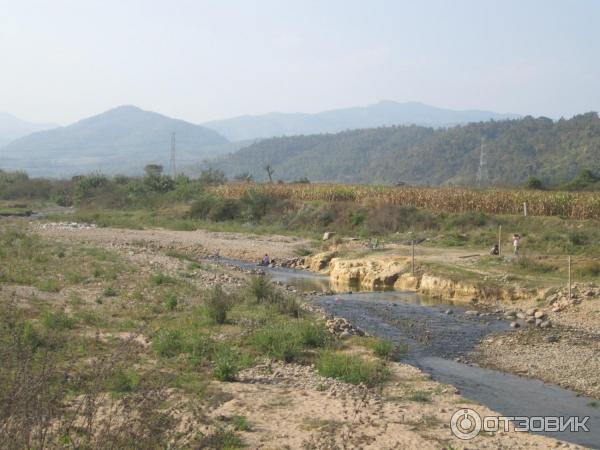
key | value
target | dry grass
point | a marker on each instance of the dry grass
(574, 205)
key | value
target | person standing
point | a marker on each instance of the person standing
(516, 243)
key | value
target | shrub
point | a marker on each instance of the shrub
(312, 334)
(531, 265)
(534, 183)
(278, 341)
(420, 396)
(123, 381)
(31, 337)
(161, 278)
(58, 321)
(351, 369)
(261, 288)
(109, 291)
(383, 348)
(357, 218)
(218, 303)
(211, 207)
(170, 302)
(589, 269)
(48, 286)
(240, 423)
(200, 347)
(303, 251)
(255, 204)
(168, 343)
(226, 364)
(286, 340)
(221, 439)
(284, 303)
(224, 209)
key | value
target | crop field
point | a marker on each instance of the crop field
(573, 205)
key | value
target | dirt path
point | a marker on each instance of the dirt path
(247, 247)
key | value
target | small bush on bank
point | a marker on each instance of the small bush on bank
(168, 343)
(351, 369)
(261, 289)
(383, 348)
(226, 364)
(286, 341)
(277, 341)
(218, 303)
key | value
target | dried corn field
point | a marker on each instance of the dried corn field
(574, 205)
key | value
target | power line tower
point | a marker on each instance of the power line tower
(482, 172)
(172, 164)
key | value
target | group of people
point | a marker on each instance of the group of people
(516, 239)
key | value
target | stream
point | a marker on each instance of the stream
(438, 335)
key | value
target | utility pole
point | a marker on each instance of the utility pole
(172, 164)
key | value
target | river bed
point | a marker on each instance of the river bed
(438, 336)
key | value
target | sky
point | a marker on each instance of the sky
(63, 60)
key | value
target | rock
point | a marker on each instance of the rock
(345, 335)
(552, 338)
(471, 312)
(546, 324)
(449, 311)
(515, 324)
(532, 311)
(328, 235)
(521, 315)
(540, 315)
(530, 320)
(538, 322)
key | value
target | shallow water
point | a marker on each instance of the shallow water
(435, 338)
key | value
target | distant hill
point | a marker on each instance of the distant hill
(515, 150)
(12, 128)
(122, 140)
(384, 113)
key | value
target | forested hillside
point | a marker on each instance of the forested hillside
(515, 151)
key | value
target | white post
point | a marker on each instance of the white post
(525, 208)
(413, 257)
(569, 277)
(499, 240)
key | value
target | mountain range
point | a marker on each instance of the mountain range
(384, 113)
(12, 128)
(122, 140)
(513, 150)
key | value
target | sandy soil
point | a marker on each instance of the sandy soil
(246, 247)
(566, 354)
(291, 406)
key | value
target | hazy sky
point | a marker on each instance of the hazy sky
(62, 60)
